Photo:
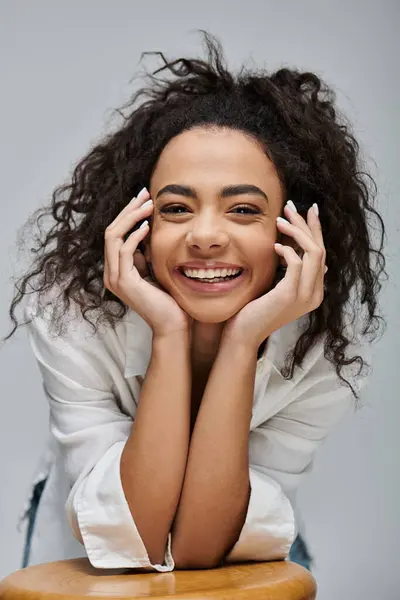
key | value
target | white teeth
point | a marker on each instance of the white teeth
(209, 273)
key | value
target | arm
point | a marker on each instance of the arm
(154, 458)
(216, 489)
(283, 445)
(282, 448)
(281, 451)
(78, 371)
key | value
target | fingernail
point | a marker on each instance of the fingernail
(290, 204)
(316, 209)
(144, 224)
(142, 193)
(147, 203)
(281, 220)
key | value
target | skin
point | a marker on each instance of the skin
(211, 227)
(203, 471)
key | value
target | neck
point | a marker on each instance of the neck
(206, 338)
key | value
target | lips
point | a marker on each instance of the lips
(202, 287)
(238, 270)
(198, 264)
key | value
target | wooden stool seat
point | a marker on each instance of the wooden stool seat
(76, 578)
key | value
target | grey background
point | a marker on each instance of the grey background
(64, 66)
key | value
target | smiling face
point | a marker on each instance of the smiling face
(216, 199)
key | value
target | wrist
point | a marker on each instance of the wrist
(238, 347)
(169, 331)
(232, 339)
(172, 340)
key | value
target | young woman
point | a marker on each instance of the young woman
(200, 316)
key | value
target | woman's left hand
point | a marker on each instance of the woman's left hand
(298, 293)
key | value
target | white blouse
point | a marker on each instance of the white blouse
(92, 383)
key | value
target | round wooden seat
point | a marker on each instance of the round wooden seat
(76, 578)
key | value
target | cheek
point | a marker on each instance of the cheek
(262, 249)
(161, 248)
(264, 262)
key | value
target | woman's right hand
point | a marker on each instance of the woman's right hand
(122, 278)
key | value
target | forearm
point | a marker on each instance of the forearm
(216, 488)
(154, 458)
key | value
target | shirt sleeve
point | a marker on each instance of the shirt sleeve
(92, 431)
(281, 451)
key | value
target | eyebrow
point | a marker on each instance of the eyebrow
(226, 192)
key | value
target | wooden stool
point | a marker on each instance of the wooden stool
(76, 578)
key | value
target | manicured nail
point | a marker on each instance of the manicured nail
(316, 210)
(291, 205)
(144, 224)
(142, 193)
(281, 220)
(148, 203)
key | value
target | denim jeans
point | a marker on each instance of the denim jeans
(298, 552)
(37, 493)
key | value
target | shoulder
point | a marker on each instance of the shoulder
(317, 375)
(317, 378)
(48, 313)
(74, 341)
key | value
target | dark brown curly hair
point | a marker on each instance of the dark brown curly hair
(293, 115)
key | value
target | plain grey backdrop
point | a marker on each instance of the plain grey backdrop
(64, 66)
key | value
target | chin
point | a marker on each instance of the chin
(209, 319)
(210, 315)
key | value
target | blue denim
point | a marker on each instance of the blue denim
(37, 493)
(298, 552)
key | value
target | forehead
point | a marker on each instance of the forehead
(220, 156)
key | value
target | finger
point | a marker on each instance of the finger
(312, 279)
(304, 240)
(295, 218)
(121, 226)
(111, 258)
(314, 230)
(126, 261)
(294, 267)
(106, 268)
(313, 260)
(315, 227)
(136, 202)
(114, 239)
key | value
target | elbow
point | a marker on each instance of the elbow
(189, 555)
(189, 563)
(186, 559)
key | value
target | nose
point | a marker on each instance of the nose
(207, 232)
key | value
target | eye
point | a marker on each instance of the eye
(175, 209)
(244, 209)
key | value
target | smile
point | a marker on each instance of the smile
(211, 275)
(209, 280)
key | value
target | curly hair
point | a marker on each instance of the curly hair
(293, 116)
